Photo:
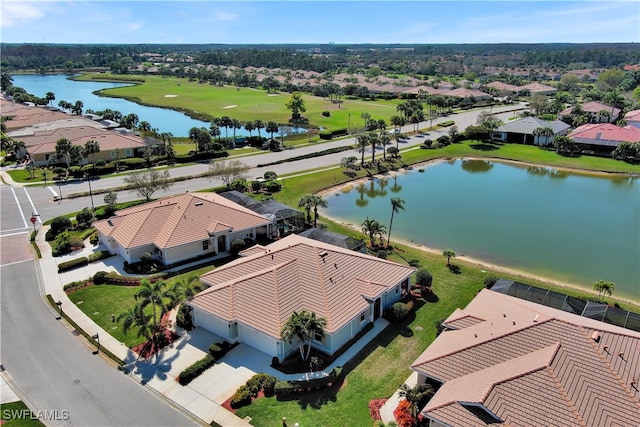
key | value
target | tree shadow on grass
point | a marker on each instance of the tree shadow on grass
(484, 147)
(455, 269)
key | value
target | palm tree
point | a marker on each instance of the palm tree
(235, 124)
(50, 97)
(258, 124)
(63, 150)
(397, 204)
(373, 228)
(448, 254)
(226, 123)
(272, 127)
(304, 327)
(91, 147)
(135, 317)
(363, 141)
(414, 395)
(214, 130)
(305, 202)
(77, 108)
(155, 294)
(603, 287)
(249, 127)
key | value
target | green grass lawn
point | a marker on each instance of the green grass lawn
(205, 101)
(18, 410)
(100, 301)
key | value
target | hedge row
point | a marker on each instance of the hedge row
(244, 393)
(194, 371)
(111, 278)
(218, 350)
(447, 123)
(309, 156)
(97, 256)
(284, 388)
(74, 263)
(326, 134)
(205, 155)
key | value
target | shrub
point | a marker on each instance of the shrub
(195, 370)
(424, 278)
(270, 175)
(85, 218)
(444, 140)
(183, 318)
(100, 277)
(237, 245)
(60, 224)
(255, 383)
(97, 256)
(273, 186)
(269, 385)
(215, 350)
(242, 397)
(50, 235)
(241, 185)
(398, 312)
(94, 238)
(382, 254)
(490, 281)
(325, 134)
(447, 123)
(326, 114)
(74, 263)
(61, 244)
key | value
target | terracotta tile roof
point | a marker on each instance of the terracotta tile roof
(293, 274)
(538, 87)
(592, 107)
(633, 116)
(504, 86)
(605, 134)
(532, 365)
(24, 115)
(178, 220)
(466, 93)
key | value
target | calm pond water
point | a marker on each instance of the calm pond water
(569, 227)
(71, 91)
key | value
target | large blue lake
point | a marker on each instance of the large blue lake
(163, 119)
(568, 227)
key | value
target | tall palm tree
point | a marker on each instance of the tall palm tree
(91, 147)
(258, 124)
(161, 301)
(226, 123)
(50, 97)
(363, 141)
(249, 127)
(272, 127)
(235, 124)
(135, 317)
(373, 228)
(306, 203)
(397, 204)
(63, 150)
(303, 326)
(603, 287)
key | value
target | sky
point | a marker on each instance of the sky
(300, 21)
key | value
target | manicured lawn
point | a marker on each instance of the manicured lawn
(18, 409)
(206, 101)
(100, 301)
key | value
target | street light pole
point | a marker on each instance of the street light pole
(90, 192)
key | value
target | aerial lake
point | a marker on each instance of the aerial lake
(165, 120)
(569, 227)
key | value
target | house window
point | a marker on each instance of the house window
(397, 289)
(205, 245)
(318, 336)
(127, 152)
(362, 316)
(114, 154)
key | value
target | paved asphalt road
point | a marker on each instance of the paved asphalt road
(56, 371)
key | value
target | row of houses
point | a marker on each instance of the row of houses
(39, 128)
(598, 136)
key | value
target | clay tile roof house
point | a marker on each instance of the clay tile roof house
(523, 131)
(604, 135)
(539, 88)
(633, 118)
(512, 362)
(179, 228)
(504, 88)
(250, 299)
(466, 93)
(597, 112)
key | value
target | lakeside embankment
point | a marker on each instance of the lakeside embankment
(524, 275)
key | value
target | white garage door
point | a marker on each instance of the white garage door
(257, 340)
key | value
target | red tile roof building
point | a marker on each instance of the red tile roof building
(513, 362)
(604, 134)
(180, 227)
(250, 299)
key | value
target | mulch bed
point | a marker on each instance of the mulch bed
(374, 408)
(148, 348)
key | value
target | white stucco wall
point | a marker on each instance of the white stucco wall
(211, 323)
(257, 340)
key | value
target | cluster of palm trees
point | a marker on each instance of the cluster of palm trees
(303, 326)
(312, 201)
(154, 300)
(604, 288)
(373, 228)
(70, 153)
(202, 137)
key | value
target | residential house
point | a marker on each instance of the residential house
(603, 137)
(504, 89)
(595, 111)
(535, 87)
(507, 361)
(524, 131)
(632, 118)
(179, 228)
(249, 300)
